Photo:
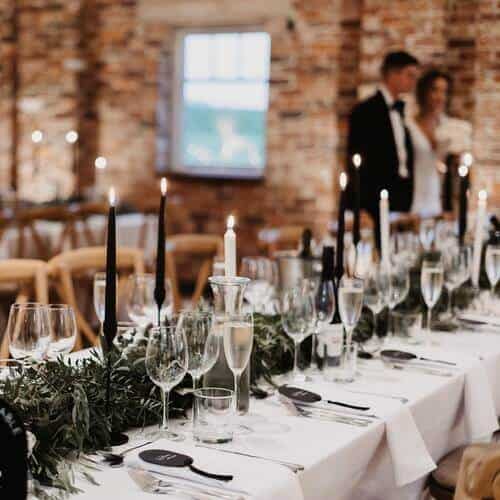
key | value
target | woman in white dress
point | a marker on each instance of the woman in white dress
(429, 146)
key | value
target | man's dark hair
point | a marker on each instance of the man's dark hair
(425, 83)
(397, 60)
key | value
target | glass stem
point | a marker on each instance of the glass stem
(236, 392)
(166, 395)
(296, 360)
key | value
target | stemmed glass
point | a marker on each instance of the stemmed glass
(431, 284)
(456, 267)
(28, 331)
(140, 300)
(166, 365)
(399, 288)
(427, 234)
(62, 329)
(492, 263)
(297, 317)
(350, 304)
(261, 273)
(325, 308)
(238, 343)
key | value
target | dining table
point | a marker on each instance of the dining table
(418, 412)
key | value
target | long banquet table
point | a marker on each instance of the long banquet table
(389, 459)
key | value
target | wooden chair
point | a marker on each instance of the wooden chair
(206, 246)
(24, 273)
(65, 267)
(280, 238)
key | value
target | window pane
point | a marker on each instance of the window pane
(197, 56)
(255, 55)
(224, 124)
(226, 55)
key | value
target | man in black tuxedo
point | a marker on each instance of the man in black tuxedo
(377, 132)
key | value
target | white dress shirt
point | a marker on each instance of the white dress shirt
(398, 130)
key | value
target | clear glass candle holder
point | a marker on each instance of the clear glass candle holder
(213, 420)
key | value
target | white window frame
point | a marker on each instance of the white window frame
(176, 165)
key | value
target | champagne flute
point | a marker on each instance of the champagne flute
(399, 288)
(238, 343)
(166, 365)
(431, 284)
(140, 300)
(350, 304)
(492, 263)
(28, 331)
(62, 329)
(297, 318)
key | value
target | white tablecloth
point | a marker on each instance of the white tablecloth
(345, 462)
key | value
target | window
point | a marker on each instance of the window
(221, 101)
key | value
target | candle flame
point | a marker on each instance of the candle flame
(112, 196)
(482, 195)
(467, 159)
(163, 186)
(343, 180)
(463, 171)
(356, 160)
(384, 194)
(230, 222)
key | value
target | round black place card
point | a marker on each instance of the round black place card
(396, 355)
(298, 394)
(13, 455)
(166, 458)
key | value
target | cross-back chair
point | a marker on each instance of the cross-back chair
(83, 262)
(29, 276)
(206, 246)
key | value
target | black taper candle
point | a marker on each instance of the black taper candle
(339, 267)
(110, 324)
(159, 292)
(356, 231)
(463, 172)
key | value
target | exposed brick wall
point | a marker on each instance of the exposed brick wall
(94, 65)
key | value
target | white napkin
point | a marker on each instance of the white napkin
(263, 480)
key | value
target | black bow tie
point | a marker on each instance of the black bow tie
(399, 106)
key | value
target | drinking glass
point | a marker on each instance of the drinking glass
(427, 233)
(238, 343)
(166, 365)
(202, 342)
(431, 284)
(399, 288)
(350, 304)
(261, 274)
(140, 301)
(297, 317)
(99, 295)
(492, 263)
(62, 329)
(325, 308)
(28, 331)
(456, 268)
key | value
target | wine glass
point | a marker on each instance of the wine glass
(350, 304)
(28, 331)
(456, 268)
(399, 288)
(297, 318)
(431, 284)
(62, 329)
(324, 308)
(166, 365)
(100, 295)
(492, 263)
(427, 234)
(140, 300)
(261, 274)
(374, 299)
(238, 343)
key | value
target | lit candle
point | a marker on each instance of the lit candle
(356, 232)
(339, 268)
(478, 237)
(463, 172)
(230, 248)
(384, 224)
(110, 324)
(159, 292)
